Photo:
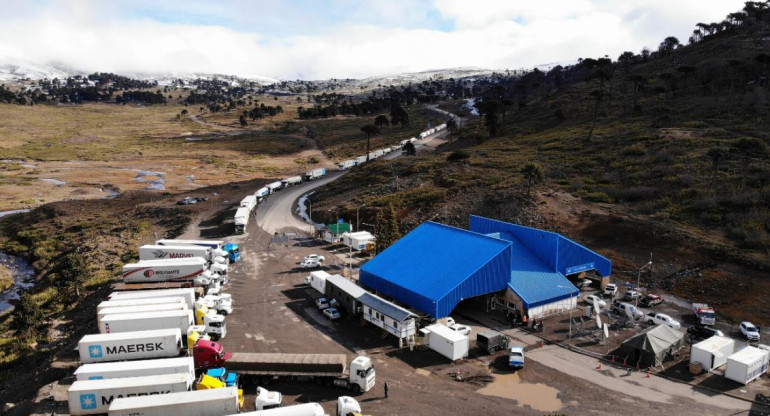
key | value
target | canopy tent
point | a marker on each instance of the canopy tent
(652, 346)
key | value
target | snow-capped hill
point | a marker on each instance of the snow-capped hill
(22, 70)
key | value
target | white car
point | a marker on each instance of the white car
(310, 264)
(610, 290)
(332, 314)
(322, 303)
(463, 329)
(750, 331)
(590, 299)
(315, 257)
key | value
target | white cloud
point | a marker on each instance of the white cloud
(372, 38)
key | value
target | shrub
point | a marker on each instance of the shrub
(458, 155)
(599, 197)
(636, 149)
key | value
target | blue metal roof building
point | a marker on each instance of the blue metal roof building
(435, 266)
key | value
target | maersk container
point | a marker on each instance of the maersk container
(178, 270)
(211, 402)
(141, 368)
(145, 321)
(187, 293)
(158, 307)
(306, 409)
(137, 345)
(95, 396)
(138, 302)
(451, 344)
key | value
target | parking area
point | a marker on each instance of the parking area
(275, 312)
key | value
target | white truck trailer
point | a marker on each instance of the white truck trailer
(95, 396)
(274, 186)
(137, 345)
(249, 202)
(145, 321)
(360, 160)
(294, 180)
(315, 174)
(141, 368)
(317, 280)
(178, 270)
(159, 252)
(188, 294)
(305, 409)
(712, 353)
(160, 307)
(451, 344)
(241, 220)
(211, 402)
(346, 164)
(138, 302)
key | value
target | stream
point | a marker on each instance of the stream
(23, 275)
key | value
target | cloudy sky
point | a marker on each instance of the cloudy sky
(315, 39)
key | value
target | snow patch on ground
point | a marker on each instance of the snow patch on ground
(471, 105)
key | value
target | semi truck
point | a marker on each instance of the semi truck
(222, 303)
(249, 202)
(188, 294)
(232, 249)
(95, 396)
(360, 160)
(160, 252)
(136, 345)
(123, 369)
(262, 193)
(346, 164)
(146, 321)
(294, 180)
(274, 186)
(267, 399)
(704, 314)
(180, 270)
(241, 220)
(328, 368)
(132, 287)
(215, 402)
(315, 174)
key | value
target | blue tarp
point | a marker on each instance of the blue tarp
(435, 266)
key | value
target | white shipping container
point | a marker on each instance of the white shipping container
(712, 353)
(160, 252)
(747, 365)
(146, 321)
(262, 192)
(357, 240)
(317, 280)
(95, 396)
(141, 368)
(186, 269)
(187, 293)
(249, 202)
(179, 306)
(451, 344)
(138, 302)
(360, 160)
(136, 345)
(307, 409)
(214, 244)
(212, 402)
(294, 180)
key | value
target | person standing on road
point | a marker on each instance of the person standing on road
(386, 389)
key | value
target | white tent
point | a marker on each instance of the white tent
(747, 364)
(712, 353)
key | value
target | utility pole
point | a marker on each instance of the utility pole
(358, 228)
(639, 278)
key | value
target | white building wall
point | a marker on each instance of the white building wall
(553, 308)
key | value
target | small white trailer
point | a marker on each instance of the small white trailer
(136, 345)
(146, 321)
(451, 344)
(712, 353)
(210, 402)
(123, 369)
(188, 294)
(139, 302)
(294, 180)
(747, 365)
(317, 280)
(95, 396)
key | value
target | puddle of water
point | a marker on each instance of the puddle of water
(193, 139)
(23, 276)
(303, 209)
(55, 182)
(16, 211)
(537, 396)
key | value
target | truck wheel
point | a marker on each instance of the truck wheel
(358, 389)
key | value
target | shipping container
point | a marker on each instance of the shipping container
(95, 396)
(179, 306)
(139, 302)
(178, 270)
(213, 402)
(712, 353)
(146, 321)
(136, 345)
(140, 368)
(451, 344)
(747, 365)
(187, 293)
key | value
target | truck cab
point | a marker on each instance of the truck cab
(516, 357)
(362, 375)
(347, 405)
(233, 251)
(209, 354)
(267, 399)
(207, 382)
(221, 374)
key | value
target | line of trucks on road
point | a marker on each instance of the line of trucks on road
(360, 160)
(250, 202)
(154, 355)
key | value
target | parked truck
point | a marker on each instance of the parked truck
(232, 249)
(123, 369)
(136, 345)
(159, 252)
(216, 402)
(317, 280)
(490, 341)
(188, 294)
(704, 314)
(315, 174)
(274, 186)
(131, 287)
(329, 368)
(294, 180)
(222, 303)
(241, 220)
(109, 304)
(262, 193)
(346, 164)
(179, 270)
(145, 321)
(360, 160)
(249, 202)
(95, 396)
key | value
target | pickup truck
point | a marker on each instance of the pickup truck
(661, 319)
(651, 300)
(610, 291)
(621, 307)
